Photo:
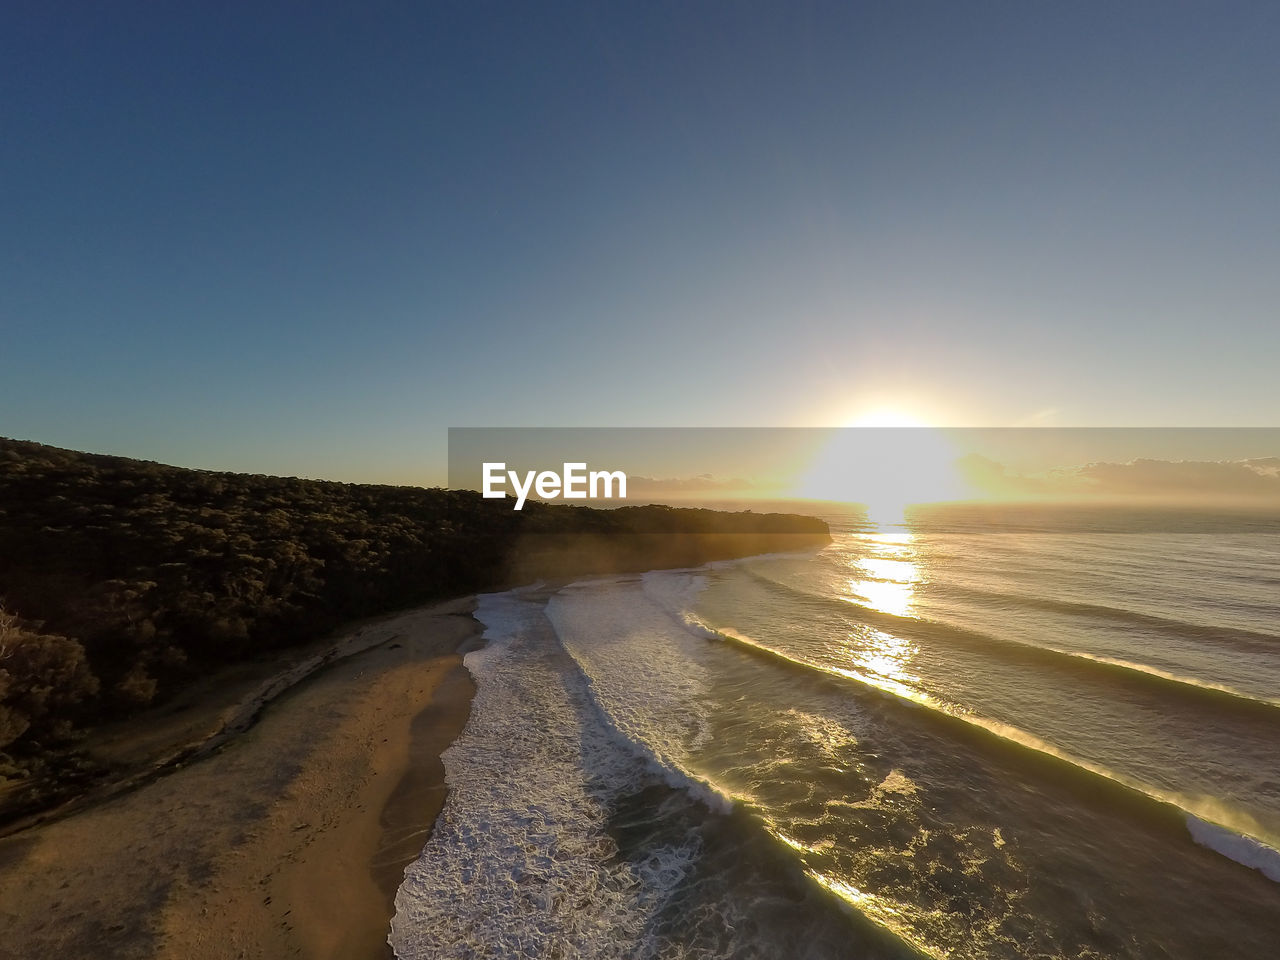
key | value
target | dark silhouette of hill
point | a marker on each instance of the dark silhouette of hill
(121, 580)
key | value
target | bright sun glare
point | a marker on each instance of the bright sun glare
(886, 417)
(887, 459)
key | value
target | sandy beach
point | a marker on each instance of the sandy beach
(287, 832)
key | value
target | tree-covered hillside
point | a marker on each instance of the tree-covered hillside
(122, 579)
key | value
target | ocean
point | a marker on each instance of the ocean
(955, 737)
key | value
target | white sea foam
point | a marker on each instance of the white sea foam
(644, 671)
(520, 862)
(676, 592)
(1242, 849)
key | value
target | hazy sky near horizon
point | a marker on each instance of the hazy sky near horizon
(307, 238)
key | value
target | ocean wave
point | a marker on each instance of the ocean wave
(521, 861)
(922, 628)
(561, 837)
(1253, 639)
(1250, 834)
(633, 649)
(649, 706)
(1241, 848)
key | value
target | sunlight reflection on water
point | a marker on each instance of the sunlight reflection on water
(888, 577)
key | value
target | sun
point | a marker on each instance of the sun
(886, 417)
(887, 459)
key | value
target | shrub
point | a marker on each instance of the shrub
(43, 679)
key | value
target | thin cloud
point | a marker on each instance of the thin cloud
(1256, 480)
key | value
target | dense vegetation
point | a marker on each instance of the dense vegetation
(121, 579)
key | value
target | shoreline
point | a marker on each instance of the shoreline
(286, 837)
(409, 813)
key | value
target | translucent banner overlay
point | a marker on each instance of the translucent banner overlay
(971, 480)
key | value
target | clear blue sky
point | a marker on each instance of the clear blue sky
(307, 238)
